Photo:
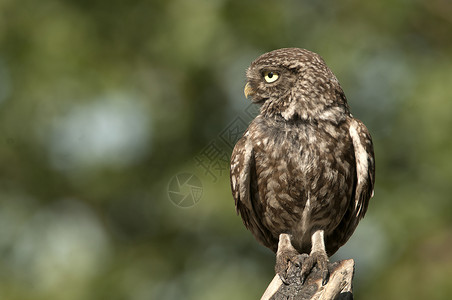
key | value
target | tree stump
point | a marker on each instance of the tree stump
(338, 287)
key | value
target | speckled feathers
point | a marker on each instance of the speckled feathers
(304, 162)
(306, 88)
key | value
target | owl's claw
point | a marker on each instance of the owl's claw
(287, 259)
(321, 259)
(284, 261)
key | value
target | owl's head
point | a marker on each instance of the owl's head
(294, 83)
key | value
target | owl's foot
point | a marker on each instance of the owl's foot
(318, 258)
(287, 258)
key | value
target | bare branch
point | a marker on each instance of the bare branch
(339, 286)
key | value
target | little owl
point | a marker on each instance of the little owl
(304, 170)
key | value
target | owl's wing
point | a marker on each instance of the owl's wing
(363, 186)
(242, 161)
(365, 167)
(243, 178)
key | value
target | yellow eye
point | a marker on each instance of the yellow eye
(271, 76)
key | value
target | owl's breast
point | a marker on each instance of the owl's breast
(303, 177)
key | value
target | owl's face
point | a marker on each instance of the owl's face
(293, 83)
(267, 81)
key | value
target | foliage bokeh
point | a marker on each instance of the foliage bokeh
(103, 102)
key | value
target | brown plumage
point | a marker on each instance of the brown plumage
(304, 169)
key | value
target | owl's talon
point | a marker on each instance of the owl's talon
(285, 258)
(303, 278)
(325, 277)
(283, 279)
(318, 258)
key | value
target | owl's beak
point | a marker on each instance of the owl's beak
(248, 91)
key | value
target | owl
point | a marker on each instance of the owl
(303, 172)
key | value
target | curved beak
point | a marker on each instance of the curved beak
(248, 91)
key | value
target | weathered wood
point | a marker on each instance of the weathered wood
(339, 286)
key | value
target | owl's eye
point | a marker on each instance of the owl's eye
(271, 76)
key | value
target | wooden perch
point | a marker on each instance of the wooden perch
(339, 286)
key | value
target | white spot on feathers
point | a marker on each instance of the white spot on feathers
(360, 156)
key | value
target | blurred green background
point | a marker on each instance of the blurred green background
(104, 105)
